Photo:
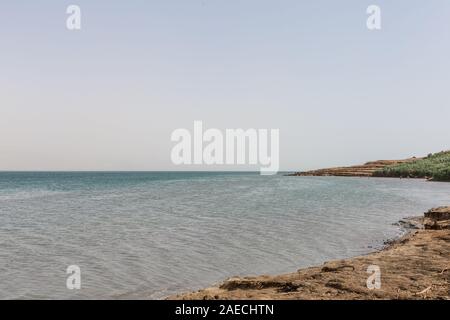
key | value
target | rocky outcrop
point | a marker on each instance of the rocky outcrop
(437, 219)
(365, 170)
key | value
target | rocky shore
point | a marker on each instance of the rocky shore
(417, 266)
(364, 170)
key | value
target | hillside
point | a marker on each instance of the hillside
(434, 167)
(364, 170)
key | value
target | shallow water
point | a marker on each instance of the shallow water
(148, 235)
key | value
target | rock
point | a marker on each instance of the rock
(437, 219)
(440, 213)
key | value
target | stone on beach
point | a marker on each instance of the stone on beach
(437, 218)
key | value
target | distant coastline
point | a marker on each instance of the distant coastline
(434, 167)
(367, 169)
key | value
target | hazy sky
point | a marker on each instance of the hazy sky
(107, 97)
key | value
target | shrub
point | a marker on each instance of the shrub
(435, 166)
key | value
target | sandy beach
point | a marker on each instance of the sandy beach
(416, 266)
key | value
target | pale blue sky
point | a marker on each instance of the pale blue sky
(107, 97)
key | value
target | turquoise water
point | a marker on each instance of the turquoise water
(148, 235)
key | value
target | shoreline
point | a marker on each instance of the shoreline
(414, 266)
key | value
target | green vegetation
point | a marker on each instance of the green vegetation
(434, 166)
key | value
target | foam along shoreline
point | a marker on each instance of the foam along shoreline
(416, 266)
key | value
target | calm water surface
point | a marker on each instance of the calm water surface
(148, 235)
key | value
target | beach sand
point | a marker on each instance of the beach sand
(417, 266)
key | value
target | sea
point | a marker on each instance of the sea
(148, 235)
